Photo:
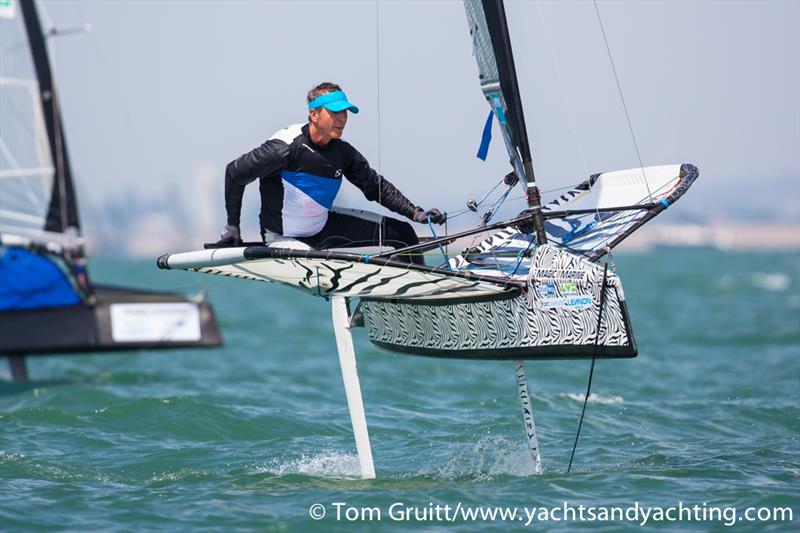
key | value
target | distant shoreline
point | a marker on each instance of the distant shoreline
(753, 236)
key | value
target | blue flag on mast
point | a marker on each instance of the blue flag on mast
(486, 138)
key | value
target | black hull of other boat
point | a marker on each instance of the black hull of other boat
(91, 328)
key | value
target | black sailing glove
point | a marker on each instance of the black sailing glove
(434, 215)
(230, 236)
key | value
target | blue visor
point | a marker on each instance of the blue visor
(335, 101)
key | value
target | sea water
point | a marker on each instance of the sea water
(701, 426)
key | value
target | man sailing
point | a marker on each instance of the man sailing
(300, 170)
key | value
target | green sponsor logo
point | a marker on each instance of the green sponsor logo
(568, 288)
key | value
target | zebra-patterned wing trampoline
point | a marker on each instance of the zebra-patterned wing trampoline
(329, 274)
(567, 307)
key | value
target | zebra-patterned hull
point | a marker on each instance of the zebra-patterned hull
(556, 317)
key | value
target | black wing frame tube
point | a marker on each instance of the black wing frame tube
(522, 219)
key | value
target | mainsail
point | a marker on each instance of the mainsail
(38, 193)
(38, 209)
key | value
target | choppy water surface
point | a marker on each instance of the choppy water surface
(251, 435)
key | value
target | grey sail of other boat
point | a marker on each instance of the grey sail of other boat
(49, 304)
(537, 286)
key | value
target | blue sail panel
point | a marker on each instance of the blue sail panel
(29, 280)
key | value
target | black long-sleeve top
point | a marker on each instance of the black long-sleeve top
(299, 181)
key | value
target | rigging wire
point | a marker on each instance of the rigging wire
(378, 88)
(461, 212)
(591, 369)
(622, 98)
(444, 252)
(566, 100)
(563, 89)
(583, 412)
(521, 257)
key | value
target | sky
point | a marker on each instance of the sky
(159, 96)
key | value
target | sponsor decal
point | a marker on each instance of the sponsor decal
(556, 273)
(546, 290)
(338, 173)
(576, 303)
(568, 288)
(579, 302)
(552, 303)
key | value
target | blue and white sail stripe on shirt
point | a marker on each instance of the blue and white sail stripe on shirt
(299, 181)
(307, 197)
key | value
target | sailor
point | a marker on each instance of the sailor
(300, 169)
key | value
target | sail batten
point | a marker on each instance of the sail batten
(20, 172)
(24, 218)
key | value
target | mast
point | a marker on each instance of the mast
(492, 47)
(499, 84)
(62, 213)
